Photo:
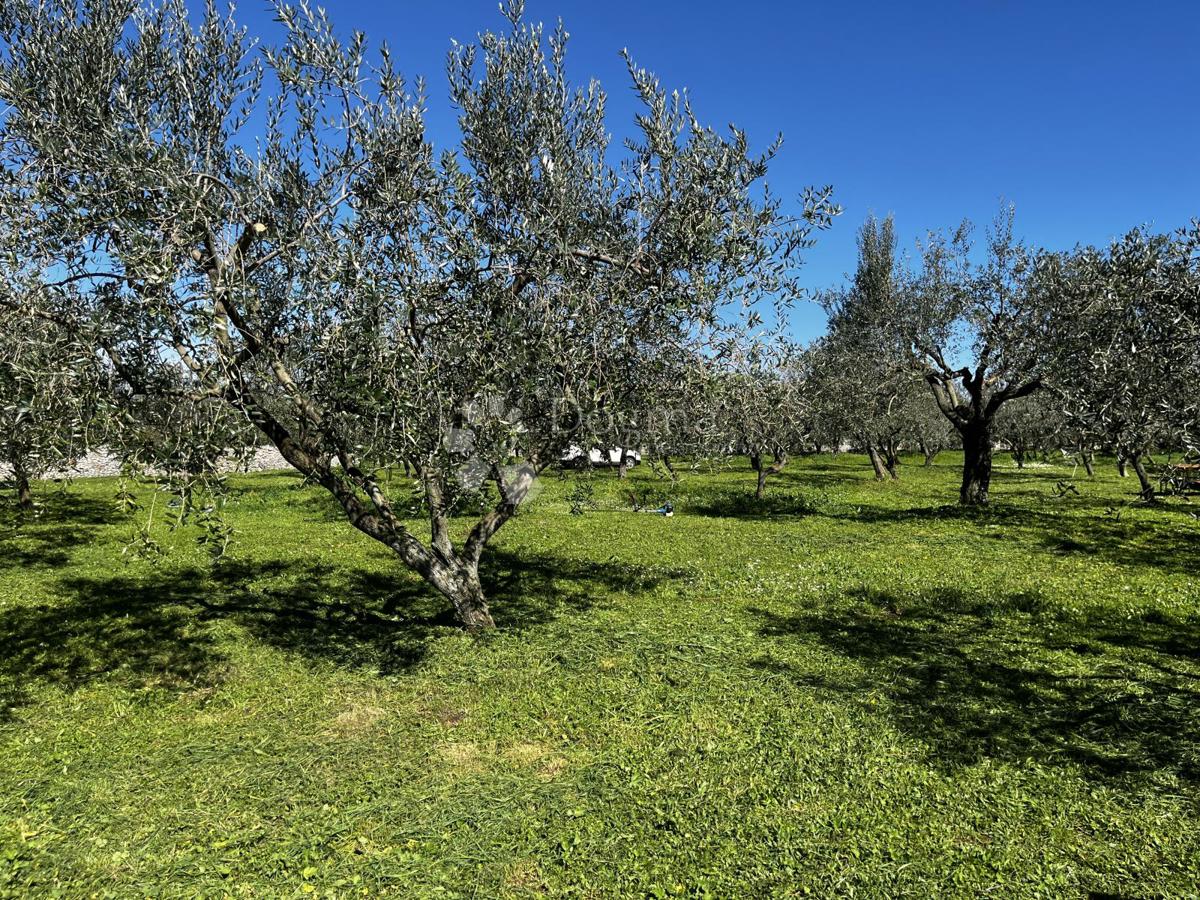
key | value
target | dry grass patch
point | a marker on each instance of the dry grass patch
(356, 719)
(464, 756)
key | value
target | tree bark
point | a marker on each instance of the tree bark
(891, 460)
(666, 461)
(1121, 466)
(1018, 455)
(930, 452)
(1139, 468)
(1086, 456)
(763, 471)
(465, 592)
(876, 463)
(977, 464)
(21, 480)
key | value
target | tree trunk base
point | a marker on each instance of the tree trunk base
(1147, 487)
(977, 468)
(24, 492)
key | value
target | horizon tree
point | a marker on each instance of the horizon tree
(761, 406)
(1030, 425)
(50, 382)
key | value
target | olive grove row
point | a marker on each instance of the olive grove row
(209, 244)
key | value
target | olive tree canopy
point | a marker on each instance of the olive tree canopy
(1127, 326)
(272, 232)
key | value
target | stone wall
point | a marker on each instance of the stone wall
(99, 463)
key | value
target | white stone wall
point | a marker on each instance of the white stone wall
(99, 463)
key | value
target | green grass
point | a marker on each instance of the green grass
(852, 688)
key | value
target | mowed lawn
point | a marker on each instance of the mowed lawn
(850, 689)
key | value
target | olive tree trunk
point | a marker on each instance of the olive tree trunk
(765, 471)
(459, 583)
(977, 464)
(1136, 459)
(876, 463)
(666, 461)
(21, 482)
(1088, 463)
(891, 459)
(974, 416)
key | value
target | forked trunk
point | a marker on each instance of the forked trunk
(1121, 467)
(930, 452)
(977, 465)
(1018, 456)
(756, 463)
(460, 585)
(891, 460)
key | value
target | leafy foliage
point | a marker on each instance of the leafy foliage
(360, 299)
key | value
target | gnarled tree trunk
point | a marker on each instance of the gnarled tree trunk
(977, 464)
(973, 417)
(891, 459)
(460, 584)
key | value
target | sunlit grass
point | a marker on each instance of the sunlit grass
(850, 687)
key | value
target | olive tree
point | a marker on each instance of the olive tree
(50, 381)
(1033, 424)
(927, 429)
(977, 333)
(759, 406)
(48, 398)
(1129, 328)
(278, 224)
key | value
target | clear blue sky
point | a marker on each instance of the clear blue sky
(1084, 113)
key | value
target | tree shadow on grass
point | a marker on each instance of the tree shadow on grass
(1011, 679)
(44, 538)
(778, 503)
(165, 630)
(1169, 544)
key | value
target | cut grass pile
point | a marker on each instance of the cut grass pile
(851, 688)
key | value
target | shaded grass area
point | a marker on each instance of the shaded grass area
(848, 688)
